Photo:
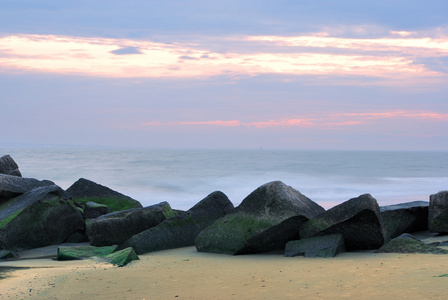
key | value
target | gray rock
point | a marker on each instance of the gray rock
(93, 210)
(405, 217)
(8, 166)
(84, 191)
(358, 220)
(407, 243)
(118, 227)
(48, 219)
(438, 212)
(265, 221)
(321, 246)
(13, 186)
(181, 230)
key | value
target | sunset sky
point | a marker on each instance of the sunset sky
(348, 74)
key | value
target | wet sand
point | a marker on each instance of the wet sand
(186, 274)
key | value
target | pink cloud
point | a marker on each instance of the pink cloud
(327, 121)
(95, 57)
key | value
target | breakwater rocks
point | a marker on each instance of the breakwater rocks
(36, 213)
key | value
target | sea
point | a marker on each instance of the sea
(183, 177)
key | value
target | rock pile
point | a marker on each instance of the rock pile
(35, 213)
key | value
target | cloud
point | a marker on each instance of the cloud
(333, 120)
(126, 51)
(388, 58)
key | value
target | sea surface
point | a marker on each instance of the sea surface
(184, 177)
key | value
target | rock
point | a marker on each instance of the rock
(438, 212)
(13, 186)
(407, 243)
(118, 227)
(265, 221)
(47, 218)
(181, 230)
(93, 210)
(5, 254)
(9, 167)
(405, 217)
(85, 191)
(83, 252)
(122, 257)
(77, 237)
(321, 246)
(358, 220)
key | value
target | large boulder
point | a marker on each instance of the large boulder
(405, 217)
(47, 219)
(118, 227)
(13, 186)
(84, 191)
(181, 230)
(407, 243)
(8, 166)
(438, 212)
(265, 221)
(319, 246)
(358, 220)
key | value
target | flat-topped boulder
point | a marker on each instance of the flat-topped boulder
(358, 220)
(407, 243)
(8, 166)
(320, 246)
(438, 212)
(48, 219)
(118, 227)
(181, 230)
(405, 217)
(264, 221)
(84, 191)
(13, 186)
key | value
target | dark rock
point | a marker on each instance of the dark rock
(93, 210)
(405, 217)
(122, 257)
(118, 227)
(181, 230)
(85, 191)
(407, 243)
(77, 237)
(320, 246)
(5, 254)
(13, 186)
(83, 252)
(47, 219)
(358, 220)
(438, 212)
(8, 166)
(265, 221)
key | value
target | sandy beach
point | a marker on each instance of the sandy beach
(186, 274)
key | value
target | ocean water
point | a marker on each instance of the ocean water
(184, 177)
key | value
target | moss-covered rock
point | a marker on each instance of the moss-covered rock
(83, 191)
(121, 257)
(266, 220)
(406, 243)
(83, 252)
(49, 219)
(181, 230)
(93, 210)
(118, 227)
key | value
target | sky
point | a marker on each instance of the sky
(329, 75)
